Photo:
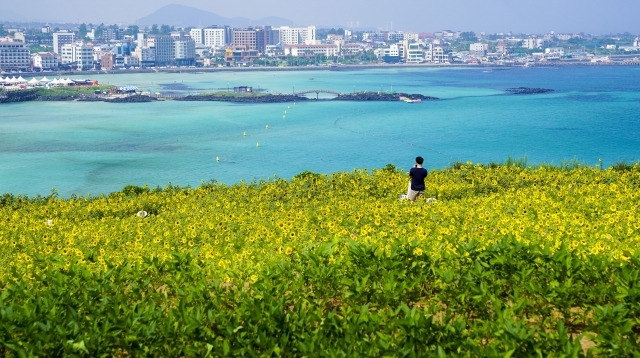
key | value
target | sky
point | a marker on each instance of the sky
(489, 16)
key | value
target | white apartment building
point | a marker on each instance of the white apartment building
(185, 52)
(402, 36)
(62, 38)
(45, 60)
(532, 43)
(415, 54)
(395, 50)
(214, 37)
(78, 53)
(14, 56)
(146, 56)
(297, 35)
(311, 50)
(438, 54)
(478, 49)
(197, 35)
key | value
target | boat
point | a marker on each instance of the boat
(409, 100)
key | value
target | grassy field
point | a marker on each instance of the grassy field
(509, 260)
(74, 91)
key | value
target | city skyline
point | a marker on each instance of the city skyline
(490, 16)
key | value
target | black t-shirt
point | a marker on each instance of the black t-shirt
(417, 178)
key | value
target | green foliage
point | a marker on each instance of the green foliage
(508, 298)
(70, 91)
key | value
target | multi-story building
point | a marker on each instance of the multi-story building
(77, 54)
(478, 49)
(438, 54)
(246, 38)
(111, 34)
(62, 38)
(197, 35)
(239, 56)
(185, 51)
(415, 53)
(328, 50)
(297, 35)
(532, 43)
(45, 61)
(107, 61)
(146, 56)
(14, 56)
(164, 48)
(214, 37)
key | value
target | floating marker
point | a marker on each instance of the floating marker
(245, 134)
(257, 144)
(294, 103)
(217, 159)
(283, 116)
(288, 107)
(267, 126)
(285, 111)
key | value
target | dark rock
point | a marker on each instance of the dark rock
(528, 90)
(375, 96)
(132, 99)
(18, 96)
(269, 98)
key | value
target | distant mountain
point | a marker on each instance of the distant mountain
(183, 16)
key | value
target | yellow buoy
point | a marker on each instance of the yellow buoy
(267, 126)
(245, 134)
(294, 103)
(283, 116)
(288, 107)
(285, 111)
(217, 159)
(257, 144)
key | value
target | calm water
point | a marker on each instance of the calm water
(92, 148)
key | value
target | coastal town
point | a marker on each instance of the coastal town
(41, 48)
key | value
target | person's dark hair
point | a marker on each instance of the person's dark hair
(419, 160)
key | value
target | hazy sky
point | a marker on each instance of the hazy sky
(491, 16)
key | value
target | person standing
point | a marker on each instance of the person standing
(417, 174)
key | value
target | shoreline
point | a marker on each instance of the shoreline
(339, 67)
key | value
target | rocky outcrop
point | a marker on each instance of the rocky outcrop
(528, 90)
(375, 96)
(269, 98)
(132, 99)
(18, 96)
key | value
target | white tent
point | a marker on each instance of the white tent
(34, 81)
(68, 81)
(44, 79)
(11, 81)
(21, 80)
(1, 79)
(55, 82)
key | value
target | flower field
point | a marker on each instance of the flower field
(509, 260)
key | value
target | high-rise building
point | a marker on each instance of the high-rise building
(62, 38)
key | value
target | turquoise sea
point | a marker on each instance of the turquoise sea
(87, 148)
